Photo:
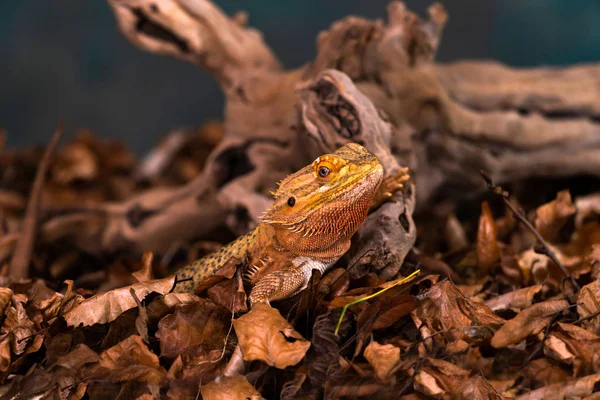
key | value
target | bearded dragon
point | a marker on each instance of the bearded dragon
(315, 213)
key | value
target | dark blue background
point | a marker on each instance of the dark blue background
(66, 58)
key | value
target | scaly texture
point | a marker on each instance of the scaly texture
(315, 213)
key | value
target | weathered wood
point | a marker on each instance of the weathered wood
(446, 122)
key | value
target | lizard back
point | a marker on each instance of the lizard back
(196, 272)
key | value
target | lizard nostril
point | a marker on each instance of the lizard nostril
(291, 201)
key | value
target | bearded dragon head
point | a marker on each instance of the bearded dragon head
(326, 200)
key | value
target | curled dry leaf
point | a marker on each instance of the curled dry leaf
(552, 216)
(230, 388)
(574, 345)
(588, 306)
(230, 294)
(544, 371)
(60, 303)
(197, 364)
(530, 321)
(265, 335)
(478, 388)
(394, 309)
(586, 206)
(594, 259)
(164, 305)
(438, 378)
(488, 253)
(574, 389)
(444, 309)
(538, 268)
(383, 358)
(5, 296)
(75, 161)
(145, 273)
(5, 355)
(17, 325)
(106, 307)
(192, 324)
(515, 300)
(130, 360)
(77, 358)
(454, 234)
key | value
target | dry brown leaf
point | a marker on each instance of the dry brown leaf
(4, 353)
(383, 358)
(394, 309)
(265, 335)
(437, 378)
(454, 233)
(488, 253)
(586, 206)
(144, 274)
(544, 371)
(444, 309)
(227, 271)
(197, 364)
(60, 303)
(588, 305)
(17, 325)
(106, 307)
(201, 322)
(230, 294)
(552, 216)
(528, 322)
(77, 358)
(164, 305)
(75, 161)
(594, 259)
(425, 383)
(478, 388)
(130, 360)
(5, 296)
(515, 300)
(536, 268)
(230, 388)
(574, 389)
(574, 345)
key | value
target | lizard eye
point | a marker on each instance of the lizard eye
(291, 201)
(323, 171)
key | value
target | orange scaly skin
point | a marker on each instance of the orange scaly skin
(309, 226)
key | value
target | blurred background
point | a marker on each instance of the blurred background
(66, 58)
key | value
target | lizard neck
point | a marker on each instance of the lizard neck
(325, 234)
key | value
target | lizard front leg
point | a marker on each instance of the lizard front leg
(286, 281)
(389, 186)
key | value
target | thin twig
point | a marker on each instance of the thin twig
(19, 263)
(547, 250)
(540, 346)
(582, 319)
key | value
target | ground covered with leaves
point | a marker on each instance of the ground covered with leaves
(506, 304)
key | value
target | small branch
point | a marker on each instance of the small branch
(547, 250)
(540, 346)
(19, 263)
(586, 318)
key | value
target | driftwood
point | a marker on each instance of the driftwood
(446, 122)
